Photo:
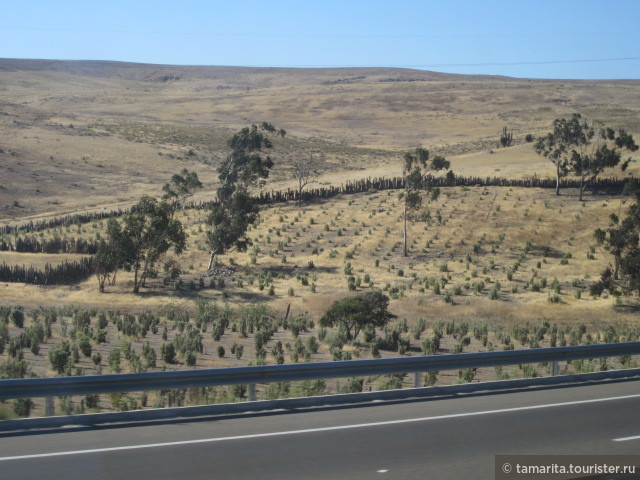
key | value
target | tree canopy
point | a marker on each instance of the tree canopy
(622, 241)
(147, 232)
(182, 186)
(356, 312)
(584, 148)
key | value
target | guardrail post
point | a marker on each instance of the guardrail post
(252, 392)
(417, 379)
(48, 406)
(554, 369)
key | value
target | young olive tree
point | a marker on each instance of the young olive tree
(415, 168)
(236, 209)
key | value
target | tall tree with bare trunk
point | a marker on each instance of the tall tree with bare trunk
(235, 208)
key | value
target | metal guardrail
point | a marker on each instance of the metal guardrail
(50, 387)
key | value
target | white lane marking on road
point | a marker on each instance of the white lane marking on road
(314, 430)
(383, 471)
(626, 439)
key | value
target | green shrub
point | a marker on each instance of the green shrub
(312, 344)
(102, 320)
(494, 293)
(22, 407)
(392, 382)
(96, 358)
(17, 316)
(467, 375)
(59, 356)
(168, 352)
(114, 360)
(353, 385)
(430, 346)
(529, 372)
(430, 378)
(555, 298)
(278, 390)
(311, 388)
(85, 346)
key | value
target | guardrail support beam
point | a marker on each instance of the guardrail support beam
(48, 406)
(252, 392)
(417, 379)
(554, 369)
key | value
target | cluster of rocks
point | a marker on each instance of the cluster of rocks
(220, 271)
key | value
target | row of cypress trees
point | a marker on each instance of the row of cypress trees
(31, 244)
(62, 274)
(608, 185)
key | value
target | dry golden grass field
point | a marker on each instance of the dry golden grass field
(476, 235)
(90, 136)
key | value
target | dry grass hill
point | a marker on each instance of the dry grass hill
(498, 264)
(87, 135)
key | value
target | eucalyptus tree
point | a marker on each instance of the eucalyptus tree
(236, 209)
(416, 167)
(182, 186)
(601, 150)
(106, 262)
(583, 147)
(622, 241)
(146, 233)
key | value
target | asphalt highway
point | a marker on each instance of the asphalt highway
(449, 438)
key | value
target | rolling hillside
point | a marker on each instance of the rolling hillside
(92, 135)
